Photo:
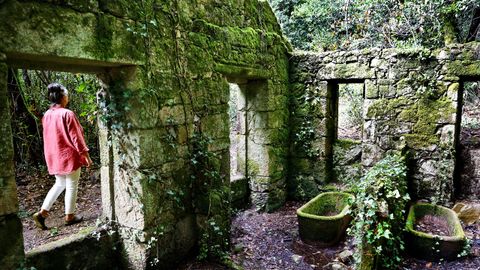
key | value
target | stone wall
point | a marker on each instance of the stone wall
(165, 68)
(411, 103)
(87, 249)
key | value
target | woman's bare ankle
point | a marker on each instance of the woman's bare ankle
(44, 213)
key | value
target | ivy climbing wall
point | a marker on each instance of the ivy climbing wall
(410, 103)
(164, 136)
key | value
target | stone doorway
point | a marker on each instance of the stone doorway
(346, 130)
(468, 145)
(248, 154)
(27, 93)
(110, 74)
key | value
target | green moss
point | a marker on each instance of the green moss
(103, 37)
(253, 168)
(463, 68)
(387, 108)
(426, 114)
(325, 217)
(326, 205)
(346, 143)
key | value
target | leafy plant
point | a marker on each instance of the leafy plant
(54, 231)
(347, 24)
(207, 181)
(381, 198)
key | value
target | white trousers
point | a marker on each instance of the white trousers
(62, 182)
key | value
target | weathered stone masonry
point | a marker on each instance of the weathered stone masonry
(411, 103)
(165, 68)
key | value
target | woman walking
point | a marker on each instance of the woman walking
(65, 153)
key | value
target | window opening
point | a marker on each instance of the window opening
(27, 90)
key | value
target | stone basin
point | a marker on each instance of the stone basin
(325, 218)
(431, 247)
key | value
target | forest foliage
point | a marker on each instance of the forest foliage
(28, 96)
(353, 24)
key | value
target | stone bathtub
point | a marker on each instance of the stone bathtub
(429, 246)
(325, 218)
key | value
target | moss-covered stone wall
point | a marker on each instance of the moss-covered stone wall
(411, 103)
(165, 67)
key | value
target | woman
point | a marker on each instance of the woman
(65, 152)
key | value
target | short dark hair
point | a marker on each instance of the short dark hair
(55, 92)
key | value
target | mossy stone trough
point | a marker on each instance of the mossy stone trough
(431, 247)
(325, 218)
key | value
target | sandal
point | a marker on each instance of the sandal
(39, 221)
(76, 219)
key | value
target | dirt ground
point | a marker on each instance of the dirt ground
(259, 240)
(271, 241)
(33, 186)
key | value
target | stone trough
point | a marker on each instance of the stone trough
(429, 246)
(325, 218)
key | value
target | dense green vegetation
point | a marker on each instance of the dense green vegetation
(351, 24)
(379, 219)
(28, 93)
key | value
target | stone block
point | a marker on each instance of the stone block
(128, 198)
(82, 250)
(278, 119)
(104, 142)
(475, 154)
(369, 131)
(107, 189)
(185, 236)
(259, 200)
(462, 68)
(216, 126)
(379, 63)
(257, 120)
(428, 167)
(259, 184)
(11, 237)
(146, 148)
(175, 115)
(452, 91)
(371, 89)
(277, 103)
(240, 192)
(134, 248)
(143, 112)
(371, 154)
(6, 139)
(447, 135)
(8, 195)
(469, 213)
(258, 159)
(346, 71)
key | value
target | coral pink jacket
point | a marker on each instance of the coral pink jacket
(63, 140)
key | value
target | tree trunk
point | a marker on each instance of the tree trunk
(474, 26)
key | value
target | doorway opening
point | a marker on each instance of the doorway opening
(467, 183)
(249, 171)
(346, 131)
(27, 93)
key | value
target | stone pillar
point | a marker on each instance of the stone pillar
(11, 253)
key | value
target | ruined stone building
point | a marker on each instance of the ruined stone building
(168, 70)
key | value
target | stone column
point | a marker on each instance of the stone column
(11, 253)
